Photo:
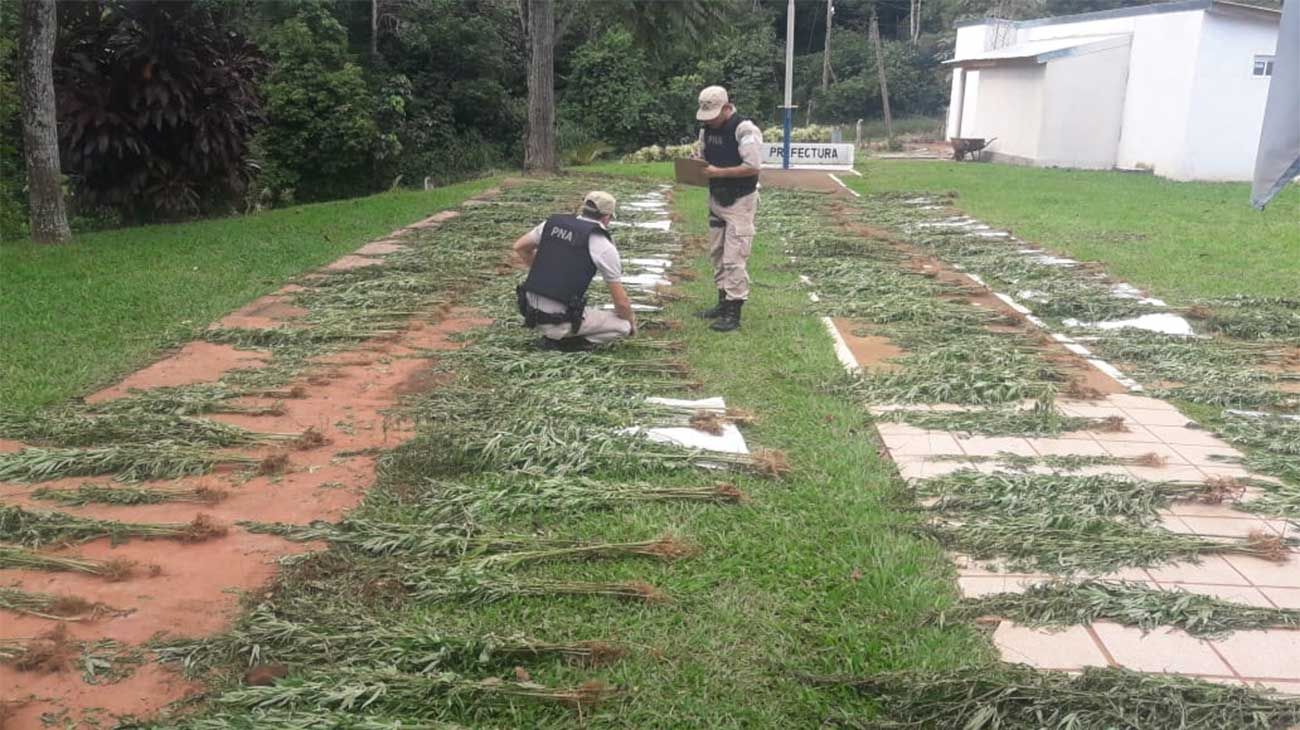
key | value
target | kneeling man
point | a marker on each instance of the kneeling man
(563, 255)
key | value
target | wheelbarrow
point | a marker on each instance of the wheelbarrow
(963, 146)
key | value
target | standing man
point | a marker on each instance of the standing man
(563, 255)
(732, 146)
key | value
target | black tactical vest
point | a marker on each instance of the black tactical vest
(563, 268)
(722, 150)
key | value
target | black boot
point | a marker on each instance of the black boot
(730, 319)
(568, 344)
(716, 311)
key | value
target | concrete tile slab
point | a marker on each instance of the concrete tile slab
(1283, 597)
(1170, 473)
(994, 445)
(1082, 410)
(1072, 648)
(1275, 686)
(931, 442)
(1128, 401)
(1179, 436)
(1204, 455)
(921, 468)
(975, 586)
(891, 431)
(1270, 653)
(1212, 569)
(1174, 523)
(1135, 434)
(1265, 573)
(1150, 418)
(1067, 447)
(1226, 471)
(1134, 450)
(1228, 526)
(1161, 650)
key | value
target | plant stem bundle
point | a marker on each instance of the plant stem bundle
(461, 542)
(16, 557)
(969, 492)
(1066, 603)
(45, 605)
(71, 428)
(508, 497)
(1017, 697)
(1065, 545)
(419, 647)
(379, 688)
(128, 462)
(475, 587)
(128, 494)
(34, 529)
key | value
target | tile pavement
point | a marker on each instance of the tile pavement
(1269, 659)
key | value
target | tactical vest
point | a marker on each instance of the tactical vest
(562, 270)
(722, 150)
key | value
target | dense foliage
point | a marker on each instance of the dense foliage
(157, 102)
(179, 108)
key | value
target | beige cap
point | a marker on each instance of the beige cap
(599, 201)
(712, 99)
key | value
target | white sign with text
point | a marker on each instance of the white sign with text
(807, 154)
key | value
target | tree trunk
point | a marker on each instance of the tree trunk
(374, 31)
(884, 82)
(539, 147)
(49, 219)
(826, 49)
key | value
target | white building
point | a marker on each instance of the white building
(1176, 88)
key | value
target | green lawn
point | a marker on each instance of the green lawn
(1178, 240)
(75, 317)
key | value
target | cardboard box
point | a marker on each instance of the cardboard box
(691, 172)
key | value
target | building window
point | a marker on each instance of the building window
(1263, 66)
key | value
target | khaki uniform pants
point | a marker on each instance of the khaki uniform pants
(599, 326)
(731, 235)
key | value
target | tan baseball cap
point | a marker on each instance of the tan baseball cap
(599, 201)
(712, 99)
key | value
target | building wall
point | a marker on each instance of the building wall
(1227, 109)
(1162, 68)
(1010, 109)
(970, 40)
(1083, 109)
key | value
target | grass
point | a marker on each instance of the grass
(75, 317)
(809, 575)
(1177, 240)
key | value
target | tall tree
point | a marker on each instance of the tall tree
(49, 218)
(826, 48)
(538, 17)
(874, 32)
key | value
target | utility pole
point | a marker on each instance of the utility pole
(826, 49)
(884, 82)
(789, 81)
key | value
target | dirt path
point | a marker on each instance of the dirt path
(191, 590)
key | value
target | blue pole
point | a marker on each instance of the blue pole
(789, 123)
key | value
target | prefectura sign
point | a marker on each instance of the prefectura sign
(822, 155)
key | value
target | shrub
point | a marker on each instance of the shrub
(157, 103)
(322, 140)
